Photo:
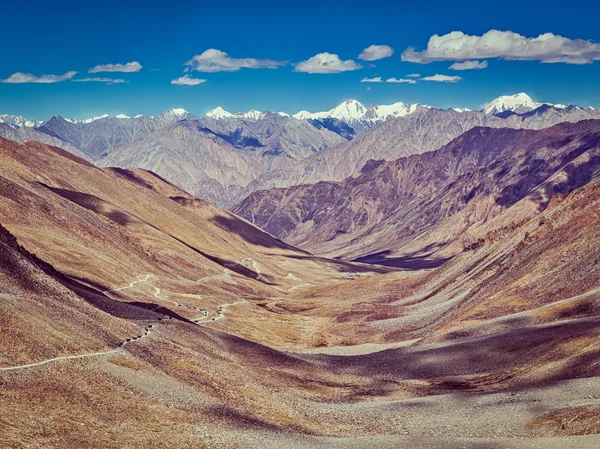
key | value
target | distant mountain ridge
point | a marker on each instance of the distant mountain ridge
(421, 205)
(223, 157)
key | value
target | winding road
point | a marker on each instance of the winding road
(203, 320)
(119, 348)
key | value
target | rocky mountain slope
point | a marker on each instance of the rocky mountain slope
(26, 133)
(193, 158)
(217, 160)
(99, 136)
(272, 134)
(261, 150)
(134, 314)
(424, 130)
(419, 206)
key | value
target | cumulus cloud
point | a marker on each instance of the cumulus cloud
(129, 67)
(442, 78)
(413, 75)
(100, 80)
(376, 79)
(469, 65)
(19, 78)
(547, 47)
(400, 80)
(186, 80)
(213, 60)
(326, 63)
(376, 52)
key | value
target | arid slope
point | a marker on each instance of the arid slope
(135, 315)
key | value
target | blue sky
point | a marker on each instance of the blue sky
(54, 38)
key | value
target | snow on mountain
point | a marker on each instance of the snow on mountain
(305, 115)
(93, 119)
(354, 111)
(252, 115)
(219, 113)
(518, 103)
(18, 121)
(381, 113)
(179, 111)
(348, 110)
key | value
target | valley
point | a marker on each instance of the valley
(300, 225)
(181, 321)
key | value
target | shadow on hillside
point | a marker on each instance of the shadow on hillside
(251, 234)
(153, 307)
(106, 209)
(121, 309)
(96, 205)
(481, 363)
(231, 265)
(406, 262)
(90, 291)
(343, 266)
(131, 176)
(419, 260)
(535, 171)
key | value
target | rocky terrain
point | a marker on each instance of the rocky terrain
(265, 150)
(419, 209)
(134, 314)
(99, 136)
(27, 133)
(218, 159)
(425, 129)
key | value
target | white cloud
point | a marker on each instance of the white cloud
(213, 60)
(442, 78)
(377, 79)
(469, 65)
(100, 80)
(19, 78)
(326, 63)
(413, 75)
(400, 80)
(548, 47)
(187, 81)
(376, 52)
(129, 67)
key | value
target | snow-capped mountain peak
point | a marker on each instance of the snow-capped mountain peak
(518, 103)
(179, 112)
(348, 110)
(93, 119)
(18, 121)
(381, 113)
(218, 113)
(252, 114)
(305, 115)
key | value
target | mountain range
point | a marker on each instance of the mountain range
(224, 157)
(420, 206)
(137, 315)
